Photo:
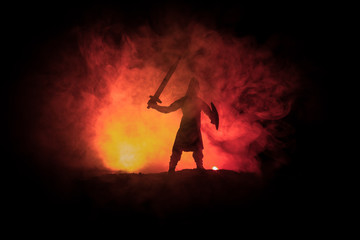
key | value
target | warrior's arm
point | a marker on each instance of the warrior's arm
(167, 109)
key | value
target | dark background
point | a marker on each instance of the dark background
(306, 37)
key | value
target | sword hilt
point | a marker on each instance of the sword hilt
(153, 99)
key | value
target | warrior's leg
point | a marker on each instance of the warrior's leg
(198, 157)
(174, 159)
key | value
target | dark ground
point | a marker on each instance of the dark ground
(184, 197)
(298, 195)
(207, 199)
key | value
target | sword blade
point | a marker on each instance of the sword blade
(166, 79)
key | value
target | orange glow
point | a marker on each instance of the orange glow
(214, 168)
(128, 137)
(132, 138)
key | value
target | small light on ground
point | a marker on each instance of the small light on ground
(215, 168)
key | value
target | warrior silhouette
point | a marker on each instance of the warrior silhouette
(188, 137)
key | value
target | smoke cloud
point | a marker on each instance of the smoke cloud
(89, 97)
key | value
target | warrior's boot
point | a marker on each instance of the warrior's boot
(174, 159)
(198, 157)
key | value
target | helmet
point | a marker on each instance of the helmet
(193, 87)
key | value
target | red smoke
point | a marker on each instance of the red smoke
(93, 98)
